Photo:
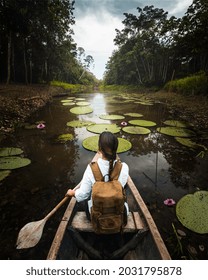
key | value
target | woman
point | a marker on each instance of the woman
(107, 144)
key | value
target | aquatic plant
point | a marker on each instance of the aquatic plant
(13, 162)
(4, 174)
(91, 143)
(99, 128)
(41, 126)
(10, 151)
(176, 131)
(169, 202)
(192, 211)
(177, 123)
(111, 117)
(63, 138)
(142, 123)
(136, 130)
(83, 103)
(137, 115)
(79, 123)
(81, 110)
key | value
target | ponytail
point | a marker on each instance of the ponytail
(108, 144)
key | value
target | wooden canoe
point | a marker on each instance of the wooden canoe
(140, 239)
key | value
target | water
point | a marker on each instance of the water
(159, 166)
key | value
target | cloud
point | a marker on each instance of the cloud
(96, 21)
(95, 33)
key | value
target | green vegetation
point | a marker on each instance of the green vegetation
(72, 88)
(37, 45)
(195, 84)
(91, 143)
(153, 49)
(192, 210)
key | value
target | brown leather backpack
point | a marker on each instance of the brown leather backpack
(108, 213)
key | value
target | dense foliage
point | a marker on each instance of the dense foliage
(36, 43)
(153, 48)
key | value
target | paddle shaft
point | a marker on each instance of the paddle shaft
(56, 207)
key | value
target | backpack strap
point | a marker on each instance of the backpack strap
(116, 170)
(96, 171)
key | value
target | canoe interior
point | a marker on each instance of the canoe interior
(83, 244)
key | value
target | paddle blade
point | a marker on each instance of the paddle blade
(30, 234)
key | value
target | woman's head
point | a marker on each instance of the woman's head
(108, 144)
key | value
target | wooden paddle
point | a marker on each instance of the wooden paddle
(31, 233)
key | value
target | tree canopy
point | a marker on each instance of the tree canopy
(153, 48)
(36, 43)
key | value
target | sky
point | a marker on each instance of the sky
(96, 21)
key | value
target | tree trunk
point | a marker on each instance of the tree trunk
(9, 57)
(25, 62)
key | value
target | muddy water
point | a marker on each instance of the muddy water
(159, 166)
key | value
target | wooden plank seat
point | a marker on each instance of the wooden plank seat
(81, 223)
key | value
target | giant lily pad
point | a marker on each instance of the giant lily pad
(177, 123)
(176, 131)
(99, 128)
(137, 115)
(83, 103)
(142, 123)
(13, 162)
(192, 211)
(11, 151)
(111, 117)
(136, 130)
(91, 143)
(82, 110)
(63, 138)
(4, 174)
(79, 123)
(68, 103)
(189, 143)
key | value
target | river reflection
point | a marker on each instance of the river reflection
(159, 166)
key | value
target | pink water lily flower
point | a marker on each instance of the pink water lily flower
(40, 126)
(123, 123)
(169, 202)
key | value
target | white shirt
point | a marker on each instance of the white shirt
(84, 191)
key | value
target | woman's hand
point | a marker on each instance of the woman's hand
(70, 192)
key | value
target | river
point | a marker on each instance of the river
(161, 168)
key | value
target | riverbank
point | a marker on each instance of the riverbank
(18, 102)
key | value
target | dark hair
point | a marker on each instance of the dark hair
(108, 144)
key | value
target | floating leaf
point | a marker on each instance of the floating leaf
(136, 130)
(91, 143)
(81, 110)
(68, 103)
(63, 138)
(144, 103)
(13, 162)
(79, 99)
(4, 174)
(99, 128)
(11, 151)
(83, 103)
(142, 123)
(192, 211)
(112, 117)
(137, 115)
(176, 131)
(79, 123)
(189, 143)
(177, 123)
